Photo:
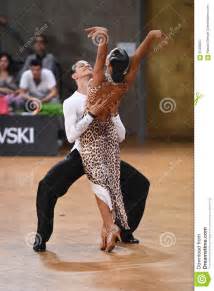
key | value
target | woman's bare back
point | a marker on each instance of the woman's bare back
(112, 92)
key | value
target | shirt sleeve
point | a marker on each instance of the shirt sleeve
(51, 80)
(24, 80)
(121, 131)
(74, 128)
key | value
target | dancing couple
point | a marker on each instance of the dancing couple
(93, 123)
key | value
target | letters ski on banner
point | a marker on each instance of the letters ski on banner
(28, 135)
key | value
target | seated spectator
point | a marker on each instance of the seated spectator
(8, 87)
(38, 83)
(7, 81)
(40, 53)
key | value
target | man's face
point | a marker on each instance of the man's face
(39, 45)
(82, 69)
(36, 71)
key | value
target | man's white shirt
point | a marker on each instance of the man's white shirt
(48, 81)
(76, 123)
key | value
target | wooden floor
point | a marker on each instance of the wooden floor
(163, 260)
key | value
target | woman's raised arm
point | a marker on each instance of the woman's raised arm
(99, 37)
(141, 51)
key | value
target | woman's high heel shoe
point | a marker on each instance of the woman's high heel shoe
(113, 236)
(103, 239)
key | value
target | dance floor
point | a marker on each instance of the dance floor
(73, 262)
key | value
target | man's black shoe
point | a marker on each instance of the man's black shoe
(129, 238)
(39, 247)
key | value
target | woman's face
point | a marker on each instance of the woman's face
(108, 65)
(4, 63)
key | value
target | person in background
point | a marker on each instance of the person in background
(38, 82)
(8, 87)
(47, 60)
(7, 80)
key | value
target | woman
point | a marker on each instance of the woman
(7, 82)
(99, 143)
(8, 85)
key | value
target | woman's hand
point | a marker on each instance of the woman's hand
(98, 34)
(100, 38)
(95, 29)
(159, 35)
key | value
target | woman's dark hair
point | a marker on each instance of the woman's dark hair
(119, 61)
(10, 61)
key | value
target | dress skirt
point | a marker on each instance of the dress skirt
(100, 153)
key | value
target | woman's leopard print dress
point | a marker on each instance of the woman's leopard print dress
(100, 152)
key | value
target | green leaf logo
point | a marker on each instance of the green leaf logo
(202, 279)
(198, 96)
(207, 57)
(200, 57)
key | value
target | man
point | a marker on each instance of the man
(47, 60)
(39, 83)
(57, 181)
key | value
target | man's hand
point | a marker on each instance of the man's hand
(53, 93)
(114, 108)
(23, 93)
(98, 107)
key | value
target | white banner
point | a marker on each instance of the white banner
(204, 144)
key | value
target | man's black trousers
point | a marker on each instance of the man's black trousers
(55, 184)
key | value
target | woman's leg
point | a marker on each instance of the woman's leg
(105, 213)
(110, 232)
(107, 221)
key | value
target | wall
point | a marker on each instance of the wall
(167, 73)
